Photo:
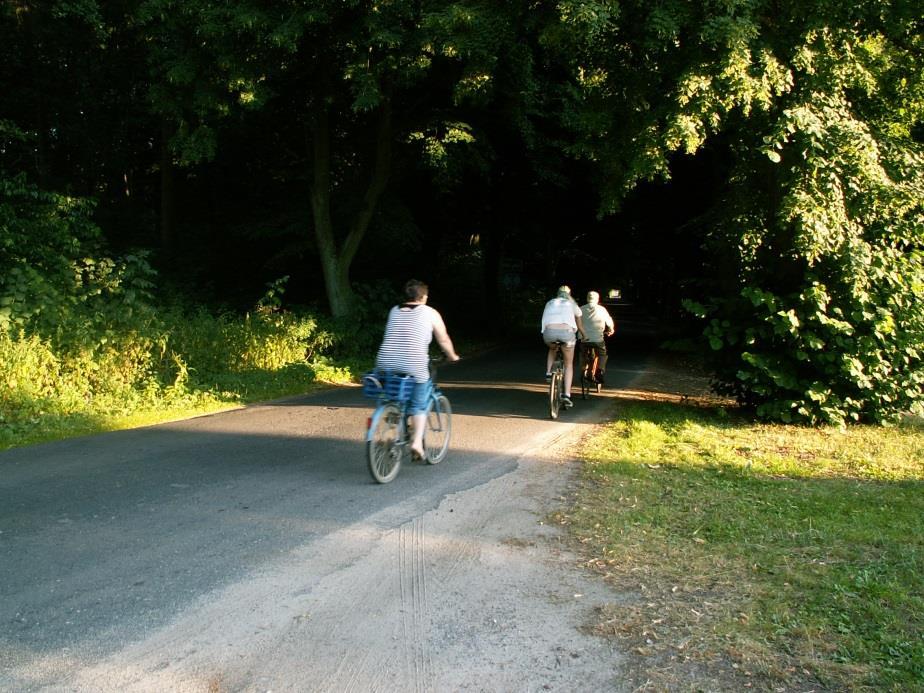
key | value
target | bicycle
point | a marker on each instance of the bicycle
(556, 381)
(590, 369)
(390, 428)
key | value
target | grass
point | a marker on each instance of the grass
(38, 417)
(44, 420)
(758, 556)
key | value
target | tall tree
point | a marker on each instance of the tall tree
(351, 81)
(814, 293)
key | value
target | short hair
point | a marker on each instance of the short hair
(593, 297)
(564, 291)
(415, 290)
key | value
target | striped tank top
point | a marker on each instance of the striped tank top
(406, 344)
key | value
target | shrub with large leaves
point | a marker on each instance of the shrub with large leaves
(55, 279)
(825, 318)
(41, 235)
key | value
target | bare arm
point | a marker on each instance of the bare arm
(579, 319)
(442, 337)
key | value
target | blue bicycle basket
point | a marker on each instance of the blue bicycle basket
(397, 388)
(372, 385)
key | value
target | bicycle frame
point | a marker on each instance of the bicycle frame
(590, 365)
(557, 382)
(433, 395)
(388, 441)
(377, 414)
(590, 354)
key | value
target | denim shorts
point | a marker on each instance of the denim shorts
(418, 403)
(559, 334)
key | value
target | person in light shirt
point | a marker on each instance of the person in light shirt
(561, 322)
(598, 324)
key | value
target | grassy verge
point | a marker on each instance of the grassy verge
(48, 421)
(756, 556)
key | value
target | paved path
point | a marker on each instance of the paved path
(250, 550)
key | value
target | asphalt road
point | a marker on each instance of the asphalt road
(106, 540)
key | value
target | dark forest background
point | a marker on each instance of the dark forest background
(749, 173)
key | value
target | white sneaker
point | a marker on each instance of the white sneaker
(566, 402)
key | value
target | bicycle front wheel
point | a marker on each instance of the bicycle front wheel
(383, 443)
(555, 394)
(439, 429)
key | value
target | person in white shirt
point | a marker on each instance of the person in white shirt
(561, 321)
(598, 324)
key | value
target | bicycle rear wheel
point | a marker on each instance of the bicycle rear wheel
(439, 429)
(585, 380)
(384, 448)
(589, 361)
(555, 393)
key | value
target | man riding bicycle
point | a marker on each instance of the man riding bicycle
(405, 349)
(598, 324)
(561, 320)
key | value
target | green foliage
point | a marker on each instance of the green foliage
(53, 281)
(185, 361)
(824, 320)
(46, 394)
(202, 68)
(814, 290)
(42, 238)
(82, 339)
(73, 327)
(823, 355)
(209, 346)
(37, 227)
(360, 334)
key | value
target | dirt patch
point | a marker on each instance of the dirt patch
(674, 377)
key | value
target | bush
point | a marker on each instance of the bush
(821, 356)
(205, 346)
(82, 338)
(817, 308)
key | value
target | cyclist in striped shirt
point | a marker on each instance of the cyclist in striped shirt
(405, 348)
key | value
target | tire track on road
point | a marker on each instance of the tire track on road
(461, 552)
(415, 606)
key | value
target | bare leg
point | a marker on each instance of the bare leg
(569, 368)
(550, 359)
(420, 423)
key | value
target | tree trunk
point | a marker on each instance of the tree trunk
(336, 261)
